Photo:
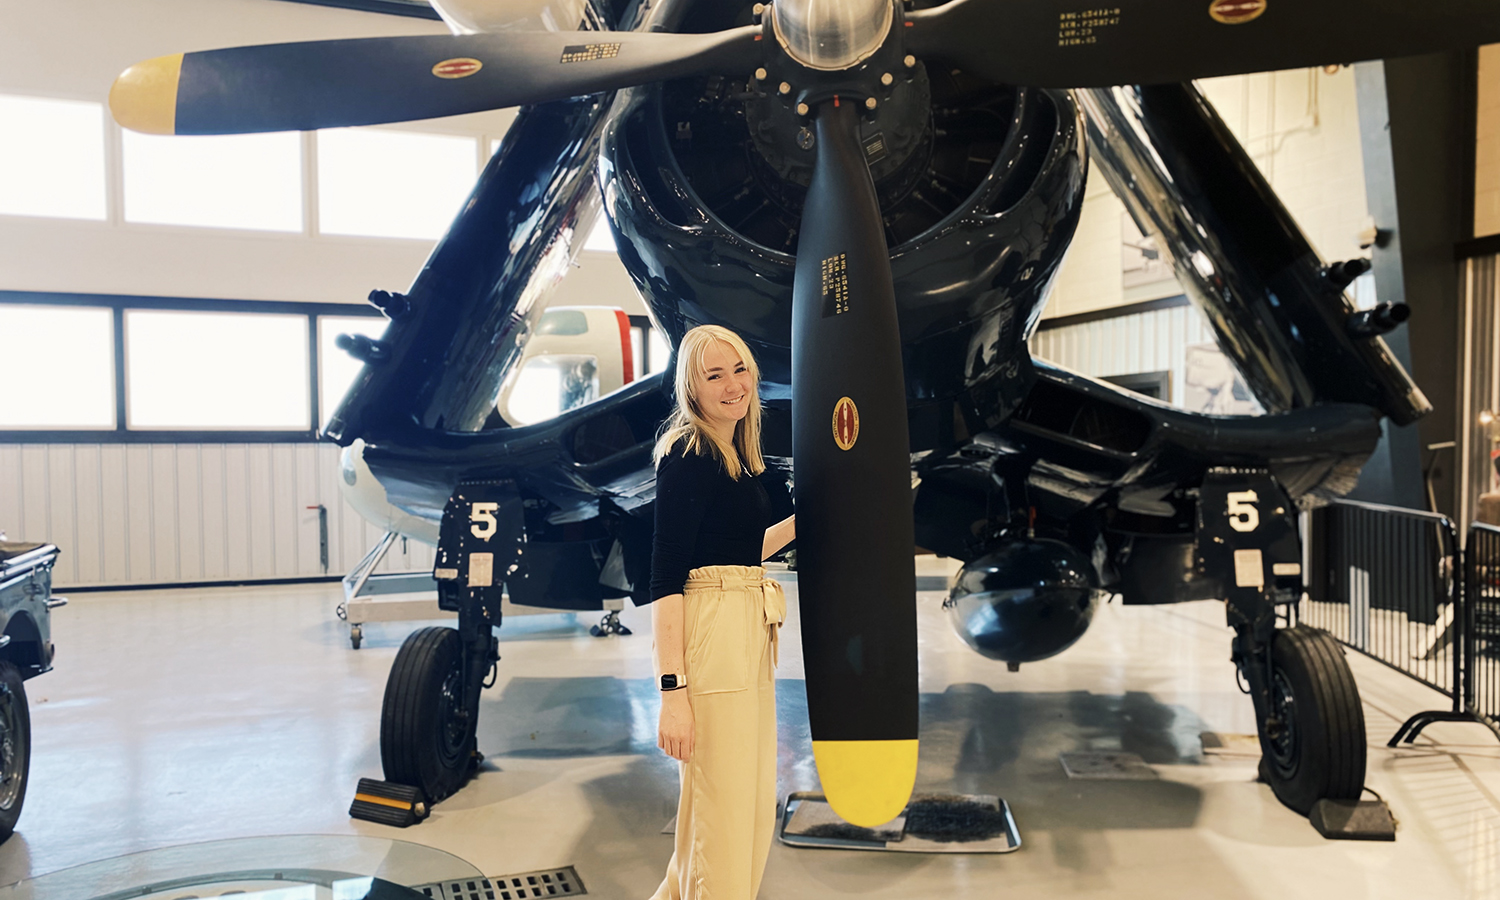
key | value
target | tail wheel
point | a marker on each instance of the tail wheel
(1312, 736)
(426, 733)
(15, 747)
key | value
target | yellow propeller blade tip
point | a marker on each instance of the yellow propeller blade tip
(144, 97)
(867, 783)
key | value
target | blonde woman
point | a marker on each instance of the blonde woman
(714, 616)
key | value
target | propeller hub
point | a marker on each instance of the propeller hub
(895, 131)
(831, 35)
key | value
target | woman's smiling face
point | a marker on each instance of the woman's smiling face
(725, 388)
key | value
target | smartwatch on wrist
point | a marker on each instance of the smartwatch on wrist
(670, 683)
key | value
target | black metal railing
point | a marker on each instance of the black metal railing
(1384, 581)
(1396, 585)
(1481, 687)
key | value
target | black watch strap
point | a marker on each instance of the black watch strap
(670, 683)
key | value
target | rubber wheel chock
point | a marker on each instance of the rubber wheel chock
(387, 803)
(1353, 820)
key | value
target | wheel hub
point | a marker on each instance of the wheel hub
(455, 718)
(10, 782)
(1281, 728)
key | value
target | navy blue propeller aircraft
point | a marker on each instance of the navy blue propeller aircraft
(876, 194)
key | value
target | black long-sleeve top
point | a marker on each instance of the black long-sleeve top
(706, 518)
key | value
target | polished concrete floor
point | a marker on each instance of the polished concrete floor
(183, 716)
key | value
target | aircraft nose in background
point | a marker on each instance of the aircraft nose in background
(144, 97)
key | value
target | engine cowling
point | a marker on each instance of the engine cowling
(1025, 601)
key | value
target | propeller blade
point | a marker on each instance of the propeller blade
(1052, 43)
(853, 470)
(367, 81)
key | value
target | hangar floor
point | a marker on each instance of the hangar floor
(184, 716)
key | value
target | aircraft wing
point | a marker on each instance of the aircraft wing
(459, 328)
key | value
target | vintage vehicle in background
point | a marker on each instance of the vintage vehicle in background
(26, 651)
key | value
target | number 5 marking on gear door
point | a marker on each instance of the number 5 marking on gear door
(1243, 516)
(484, 515)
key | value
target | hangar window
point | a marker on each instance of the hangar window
(601, 238)
(548, 386)
(214, 370)
(250, 181)
(52, 160)
(337, 368)
(399, 184)
(67, 355)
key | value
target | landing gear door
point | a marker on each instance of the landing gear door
(1247, 540)
(480, 544)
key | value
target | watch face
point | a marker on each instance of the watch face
(669, 682)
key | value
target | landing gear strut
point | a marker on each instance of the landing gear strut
(426, 729)
(1307, 709)
(1312, 727)
(428, 722)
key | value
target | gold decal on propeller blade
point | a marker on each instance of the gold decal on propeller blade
(576, 53)
(845, 423)
(1236, 12)
(835, 272)
(461, 67)
(1085, 26)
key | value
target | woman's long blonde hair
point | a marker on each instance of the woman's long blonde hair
(687, 422)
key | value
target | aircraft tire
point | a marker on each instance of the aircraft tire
(426, 740)
(15, 747)
(1320, 752)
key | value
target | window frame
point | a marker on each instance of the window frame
(118, 304)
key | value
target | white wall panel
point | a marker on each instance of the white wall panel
(173, 513)
(62, 505)
(112, 514)
(213, 511)
(10, 490)
(166, 538)
(34, 506)
(237, 550)
(1125, 345)
(189, 514)
(142, 534)
(309, 485)
(85, 565)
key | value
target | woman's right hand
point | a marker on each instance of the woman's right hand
(674, 731)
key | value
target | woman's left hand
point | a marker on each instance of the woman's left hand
(674, 731)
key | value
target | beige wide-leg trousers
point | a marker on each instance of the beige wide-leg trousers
(726, 814)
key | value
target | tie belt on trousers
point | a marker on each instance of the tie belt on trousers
(745, 578)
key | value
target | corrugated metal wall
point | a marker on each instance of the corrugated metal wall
(1152, 341)
(1479, 381)
(170, 513)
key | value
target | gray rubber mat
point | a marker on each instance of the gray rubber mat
(930, 823)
